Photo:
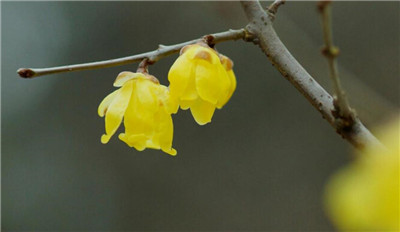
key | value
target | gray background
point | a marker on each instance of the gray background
(260, 165)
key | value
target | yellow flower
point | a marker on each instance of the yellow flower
(145, 107)
(364, 196)
(201, 80)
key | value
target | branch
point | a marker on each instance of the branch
(273, 8)
(343, 109)
(152, 56)
(261, 27)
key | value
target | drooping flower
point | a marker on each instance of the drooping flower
(145, 107)
(202, 80)
(365, 195)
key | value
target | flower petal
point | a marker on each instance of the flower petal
(138, 119)
(210, 81)
(116, 110)
(186, 104)
(146, 91)
(229, 91)
(179, 75)
(190, 92)
(202, 111)
(166, 131)
(124, 77)
(106, 103)
(171, 103)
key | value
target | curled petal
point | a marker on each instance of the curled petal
(170, 151)
(106, 103)
(116, 110)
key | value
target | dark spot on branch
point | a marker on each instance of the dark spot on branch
(25, 72)
(209, 39)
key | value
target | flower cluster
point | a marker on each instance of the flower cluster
(200, 80)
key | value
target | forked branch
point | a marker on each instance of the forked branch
(261, 26)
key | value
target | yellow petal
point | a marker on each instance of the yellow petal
(230, 91)
(171, 103)
(232, 78)
(137, 141)
(190, 92)
(126, 76)
(199, 52)
(202, 111)
(138, 119)
(179, 75)
(116, 110)
(106, 103)
(211, 80)
(364, 195)
(171, 151)
(166, 131)
(146, 91)
(186, 104)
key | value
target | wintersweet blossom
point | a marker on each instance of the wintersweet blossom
(202, 80)
(145, 107)
(364, 196)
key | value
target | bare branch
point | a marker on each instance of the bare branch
(152, 56)
(344, 112)
(261, 26)
(273, 8)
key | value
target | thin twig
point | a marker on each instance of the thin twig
(152, 56)
(261, 27)
(273, 8)
(344, 113)
(143, 66)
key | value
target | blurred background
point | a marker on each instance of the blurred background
(260, 165)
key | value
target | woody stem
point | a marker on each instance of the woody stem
(152, 56)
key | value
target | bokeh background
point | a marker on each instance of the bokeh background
(260, 165)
